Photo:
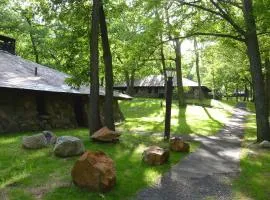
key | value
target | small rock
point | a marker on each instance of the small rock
(68, 146)
(36, 141)
(178, 144)
(105, 135)
(155, 155)
(94, 171)
(50, 137)
(265, 144)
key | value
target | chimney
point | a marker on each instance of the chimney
(7, 44)
(35, 71)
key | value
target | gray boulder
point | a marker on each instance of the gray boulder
(50, 137)
(67, 146)
(37, 141)
(265, 144)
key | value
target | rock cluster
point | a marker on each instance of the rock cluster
(265, 144)
(106, 135)
(39, 140)
(94, 171)
(178, 144)
(68, 146)
(155, 155)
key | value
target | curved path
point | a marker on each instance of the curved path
(207, 173)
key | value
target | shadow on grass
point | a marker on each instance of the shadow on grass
(210, 116)
(25, 171)
(183, 127)
(254, 181)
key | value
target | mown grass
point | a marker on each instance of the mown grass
(147, 115)
(38, 174)
(254, 179)
(29, 174)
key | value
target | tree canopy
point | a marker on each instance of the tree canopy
(146, 37)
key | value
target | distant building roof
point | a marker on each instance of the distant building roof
(158, 81)
(19, 73)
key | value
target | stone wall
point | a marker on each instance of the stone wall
(22, 110)
(189, 92)
(17, 111)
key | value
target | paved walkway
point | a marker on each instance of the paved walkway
(207, 173)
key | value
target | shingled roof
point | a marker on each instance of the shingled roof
(16, 72)
(158, 81)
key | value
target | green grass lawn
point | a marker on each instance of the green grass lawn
(147, 115)
(254, 180)
(38, 174)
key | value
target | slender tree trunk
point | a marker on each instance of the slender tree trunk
(214, 84)
(226, 92)
(246, 93)
(267, 81)
(163, 69)
(107, 56)
(130, 89)
(198, 68)
(237, 93)
(127, 79)
(94, 114)
(177, 48)
(263, 132)
(34, 46)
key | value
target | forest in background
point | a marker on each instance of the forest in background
(146, 38)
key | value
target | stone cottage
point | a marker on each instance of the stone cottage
(153, 86)
(34, 97)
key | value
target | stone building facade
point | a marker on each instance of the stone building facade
(35, 97)
(153, 87)
(24, 110)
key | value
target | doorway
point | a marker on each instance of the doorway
(79, 111)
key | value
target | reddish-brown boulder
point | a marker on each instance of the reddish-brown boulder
(94, 171)
(155, 155)
(105, 135)
(178, 144)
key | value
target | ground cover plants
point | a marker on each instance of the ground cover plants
(38, 174)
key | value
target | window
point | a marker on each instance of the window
(149, 90)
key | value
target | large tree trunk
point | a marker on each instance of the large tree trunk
(94, 114)
(198, 68)
(263, 132)
(108, 112)
(180, 89)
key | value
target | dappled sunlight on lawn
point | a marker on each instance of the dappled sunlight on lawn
(254, 179)
(149, 117)
(26, 174)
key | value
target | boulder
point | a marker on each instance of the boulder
(94, 171)
(105, 135)
(36, 141)
(265, 144)
(178, 144)
(50, 137)
(66, 146)
(155, 155)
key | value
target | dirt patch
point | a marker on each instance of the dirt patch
(40, 191)
(3, 195)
